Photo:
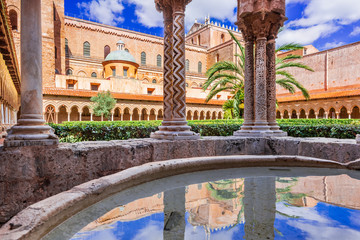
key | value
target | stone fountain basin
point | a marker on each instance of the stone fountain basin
(57, 211)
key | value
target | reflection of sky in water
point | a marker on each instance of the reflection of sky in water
(323, 221)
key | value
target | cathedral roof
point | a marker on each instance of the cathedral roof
(120, 55)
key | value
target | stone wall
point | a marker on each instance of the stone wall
(334, 68)
(30, 174)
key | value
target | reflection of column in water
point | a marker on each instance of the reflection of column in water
(259, 203)
(174, 214)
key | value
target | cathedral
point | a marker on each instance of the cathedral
(81, 58)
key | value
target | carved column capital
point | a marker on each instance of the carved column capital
(180, 5)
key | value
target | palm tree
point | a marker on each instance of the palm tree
(229, 76)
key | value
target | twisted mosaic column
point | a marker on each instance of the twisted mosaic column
(168, 66)
(179, 110)
(174, 126)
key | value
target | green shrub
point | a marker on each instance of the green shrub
(105, 131)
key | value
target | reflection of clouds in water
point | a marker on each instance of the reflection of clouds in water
(224, 234)
(194, 233)
(101, 232)
(355, 218)
(302, 212)
(107, 235)
(197, 233)
(323, 232)
(153, 231)
(317, 226)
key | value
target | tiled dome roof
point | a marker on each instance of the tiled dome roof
(120, 55)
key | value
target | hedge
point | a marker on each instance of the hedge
(105, 131)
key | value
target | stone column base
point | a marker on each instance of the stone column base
(175, 130)
(22, 135)
(358, 139)
(257, 133)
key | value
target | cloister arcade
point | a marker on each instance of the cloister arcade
(62, 111)
(343, 112)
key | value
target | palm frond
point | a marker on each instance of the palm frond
(215, 92)
(283, 83)
(285, 74)
(290, 57)
(294, 64)
(289, 47)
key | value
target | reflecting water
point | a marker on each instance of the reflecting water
(317, 207)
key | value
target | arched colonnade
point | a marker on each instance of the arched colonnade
(343, 112)
(58, 113)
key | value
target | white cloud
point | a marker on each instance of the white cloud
(305, 36)
(355, 32)
(320, 19)
(341, 12)
(105, 11)
(146, 13)
(333, 45)
(149, 17)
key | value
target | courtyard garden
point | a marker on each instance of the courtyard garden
(106, 131)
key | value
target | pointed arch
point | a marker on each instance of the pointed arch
(189, 115)
(355, 113)
(13, 15)
(343, 113)
(107, 50)
(50, 114)
(196, 115)
(312, 114)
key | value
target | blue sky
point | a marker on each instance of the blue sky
(322, 23)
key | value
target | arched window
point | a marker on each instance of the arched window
(217, 59)
(126, 49)
(67, 53)
(69, 72)
(86, 49)
(187, 65)
(222, 38)
(186, 84)
(56, 71)
(94, 75)
(13, 19)
(158, 60)
(106, 51)
(199, 40)
(143, 58)
(200, 67)
(154, 81)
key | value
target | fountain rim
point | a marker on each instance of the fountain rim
(40, 218)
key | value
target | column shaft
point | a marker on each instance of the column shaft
(168, 66)
(249, 115)
(261, 123)
(271, 84)
(31, 60)
(179, 110)
(31, 128)
(174, 125)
